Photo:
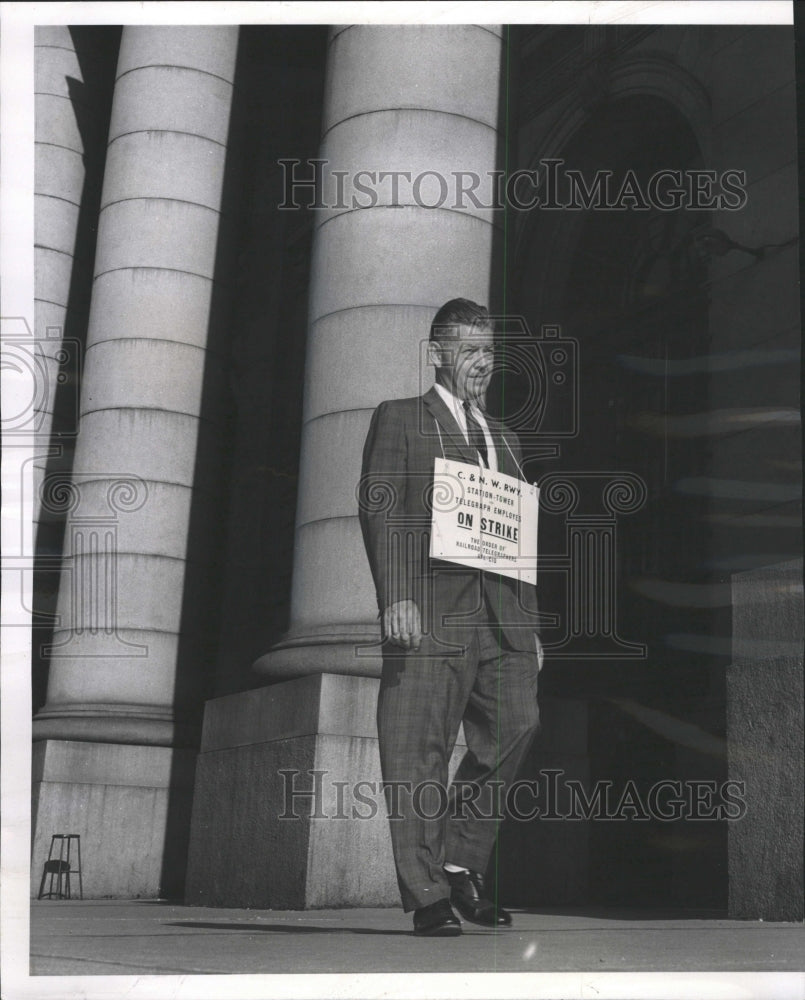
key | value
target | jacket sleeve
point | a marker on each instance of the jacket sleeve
(382, 505)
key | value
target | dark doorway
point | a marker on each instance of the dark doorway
(629, 287)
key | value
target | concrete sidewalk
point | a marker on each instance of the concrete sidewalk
(119, 937)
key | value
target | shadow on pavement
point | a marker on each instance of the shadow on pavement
(283, 928)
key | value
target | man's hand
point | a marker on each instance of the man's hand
(402, 624)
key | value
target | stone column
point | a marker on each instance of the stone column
(58, 188)
(74, 72)
(122, 649)
(62, 276)
(422, 101)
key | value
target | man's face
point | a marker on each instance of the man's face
(465, 362)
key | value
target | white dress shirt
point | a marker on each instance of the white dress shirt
(456, 407)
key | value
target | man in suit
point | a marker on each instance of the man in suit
(459, 644)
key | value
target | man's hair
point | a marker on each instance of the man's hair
(456, 313)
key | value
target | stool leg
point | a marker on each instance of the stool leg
(45, 870)
(60, 877)
(42, 883)
(67, 870)
(80, 881)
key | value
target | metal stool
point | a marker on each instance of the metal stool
(60, 867)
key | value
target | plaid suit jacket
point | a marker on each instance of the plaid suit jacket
(405, 436)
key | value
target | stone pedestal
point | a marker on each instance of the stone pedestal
(765, 739)
(256, 844)
(130, 806)
(288, 810)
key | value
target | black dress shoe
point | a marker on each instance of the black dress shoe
(468, 895)
(436, 920)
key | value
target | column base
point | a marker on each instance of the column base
(141, 725)
(352, 649)
(129, 804)
(255, 843)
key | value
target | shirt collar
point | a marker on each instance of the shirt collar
(453, 401)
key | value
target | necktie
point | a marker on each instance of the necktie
(476, 435)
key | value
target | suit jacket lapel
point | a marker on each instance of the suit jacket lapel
(447, 423)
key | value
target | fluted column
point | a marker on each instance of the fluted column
(421, 100)
(124, 595)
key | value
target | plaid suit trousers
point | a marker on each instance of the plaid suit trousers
(423, 699)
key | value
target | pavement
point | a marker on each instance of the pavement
(123, 937)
